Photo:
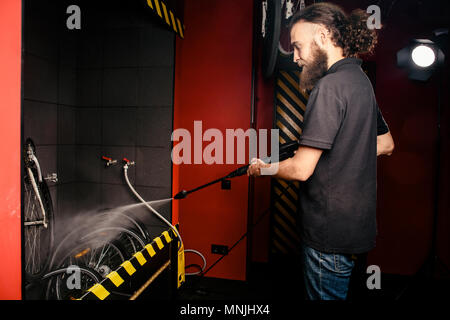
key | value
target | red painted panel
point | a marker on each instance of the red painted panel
(10, 227)
(213, 84)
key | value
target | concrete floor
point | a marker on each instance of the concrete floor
(269, 283)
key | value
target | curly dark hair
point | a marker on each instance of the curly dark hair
(350, 32)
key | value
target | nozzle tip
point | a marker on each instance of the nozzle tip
(181, 195)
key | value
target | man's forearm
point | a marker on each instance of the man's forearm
(300, 167)
(288, 170)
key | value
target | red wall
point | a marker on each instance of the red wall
(10, 225)
(213, 84)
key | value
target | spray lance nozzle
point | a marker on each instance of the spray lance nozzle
(181, 195)
(286, 151)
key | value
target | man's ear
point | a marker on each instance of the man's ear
(321, 36)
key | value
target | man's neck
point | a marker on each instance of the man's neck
(334, 57)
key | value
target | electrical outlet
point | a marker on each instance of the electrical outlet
(219, 249)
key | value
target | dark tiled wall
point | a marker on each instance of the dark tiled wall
(49, 93)
(106, 89)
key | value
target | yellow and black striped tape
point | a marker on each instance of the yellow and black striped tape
(130, 268)
(290, 105)
(167, 15)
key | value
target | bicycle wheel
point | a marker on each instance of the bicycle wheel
(124, 219)
(129, 239)
(100, 255)
(38, 218)
(60, 287)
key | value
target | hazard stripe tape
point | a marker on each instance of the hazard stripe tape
(115, 278)
(285, 199)
(290, 105)
(129, 268)
(140, 258)
(160, 8)
(150, 250)
(167, 236)
(289, 120)
(292, 188)
(278, 247)
(289, 93)
(285, 238)
(159, 242)
(288, 229)
(99, 291)
(292, 136)
(284, 137)
(166, 16)
(283, 212)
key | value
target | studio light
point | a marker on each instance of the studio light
(422, 57)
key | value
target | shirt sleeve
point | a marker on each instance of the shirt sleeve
(322, 120)
(382, 127)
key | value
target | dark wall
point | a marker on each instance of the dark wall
(48, 86)
(103, 90)
(406, 180)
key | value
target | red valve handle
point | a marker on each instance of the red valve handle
(106, 158)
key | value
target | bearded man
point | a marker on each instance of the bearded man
(343, 133)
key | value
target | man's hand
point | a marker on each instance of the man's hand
(255, 166)
(385, 144)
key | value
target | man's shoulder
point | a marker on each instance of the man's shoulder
(342, 79)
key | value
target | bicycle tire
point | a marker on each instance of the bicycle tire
(270, 42)
(55, 289)
(38, 239)
(110, 235)
(128, 238)
(103, 256)
(129, 221)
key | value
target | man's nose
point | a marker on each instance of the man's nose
(296, 56)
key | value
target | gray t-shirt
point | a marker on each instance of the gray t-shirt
(338, 202)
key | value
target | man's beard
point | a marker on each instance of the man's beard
(315, 69)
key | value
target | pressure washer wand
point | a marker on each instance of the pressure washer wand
(286, 150)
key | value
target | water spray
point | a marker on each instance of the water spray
(286, 150)
(127, 164)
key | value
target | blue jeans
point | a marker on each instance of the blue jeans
(326, 275)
